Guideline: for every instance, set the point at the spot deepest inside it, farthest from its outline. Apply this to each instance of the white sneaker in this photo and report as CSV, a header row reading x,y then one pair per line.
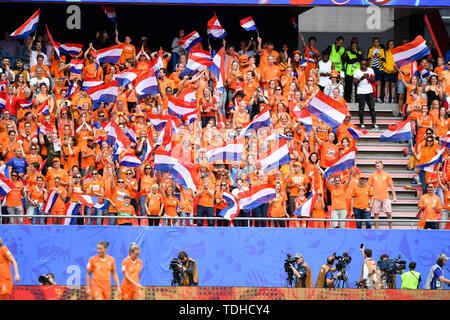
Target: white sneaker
x,y
363,126
376,127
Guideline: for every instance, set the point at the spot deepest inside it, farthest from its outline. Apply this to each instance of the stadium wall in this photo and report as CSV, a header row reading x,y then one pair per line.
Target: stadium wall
x,y
240,257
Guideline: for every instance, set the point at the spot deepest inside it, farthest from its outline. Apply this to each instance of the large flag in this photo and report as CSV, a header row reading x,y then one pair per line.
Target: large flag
x,y
147,84
110,13
157,63
399,132
276,157
164,161
24,103
410,52
327,109
248,23
356,133
89,83
183,173
232,210
165,137
73,49
24,31
180,108
72,210
307,208
218,69
232,152
260,121
214,29
5,185
2,100
190,40
304,117
76,66
73,87
56,45
130,160
103,93
116,136
344,162
198,60
126,77
159,120
433,164
53,196
257,196
109,55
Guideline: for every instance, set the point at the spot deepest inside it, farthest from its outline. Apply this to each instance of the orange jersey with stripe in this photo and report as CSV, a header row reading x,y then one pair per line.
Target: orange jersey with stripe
x,y
133,269
101,270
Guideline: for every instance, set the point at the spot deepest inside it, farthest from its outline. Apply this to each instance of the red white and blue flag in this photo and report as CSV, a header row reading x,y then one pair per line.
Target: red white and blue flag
x,y
53,196
126,77
55,44
198,60
307,208
344,162
5,185
2,100
399,132
115,135
183,173
110,13
410,52
103,93
44,108
231,152
260,121
357,133
304,117
146,150
108,55
159,121
214,28
73,49
218,69
90,201
190,117
433,164
72,89
233,208
24,103
163,160
76,66
180,108
90,83
165,137
72,210
147,84
131,134
190,40
327,109
248,23
257,196
130,160
24,31
277,156
157,63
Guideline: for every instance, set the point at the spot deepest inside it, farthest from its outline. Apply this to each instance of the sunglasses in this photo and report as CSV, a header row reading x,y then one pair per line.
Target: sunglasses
x,y
129,173
278,89
120,181
430,187
14,175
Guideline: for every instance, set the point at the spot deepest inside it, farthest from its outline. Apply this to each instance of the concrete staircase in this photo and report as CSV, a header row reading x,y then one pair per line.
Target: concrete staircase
x,y
393,157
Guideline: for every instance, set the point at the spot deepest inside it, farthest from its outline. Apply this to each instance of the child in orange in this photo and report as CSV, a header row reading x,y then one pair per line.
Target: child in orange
x,y
6,282
131,267
99,268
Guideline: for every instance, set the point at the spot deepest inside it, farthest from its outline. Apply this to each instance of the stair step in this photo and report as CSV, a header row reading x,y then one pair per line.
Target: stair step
x,y
396,161
380,148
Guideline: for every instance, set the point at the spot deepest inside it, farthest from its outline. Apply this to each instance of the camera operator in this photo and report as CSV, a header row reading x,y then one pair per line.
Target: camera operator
x,y
384,275
436,279
326,278
370,274
302,273
48,279
189,267
412,278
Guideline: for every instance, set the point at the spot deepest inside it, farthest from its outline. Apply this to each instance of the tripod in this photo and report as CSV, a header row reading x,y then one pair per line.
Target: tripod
x,y
290,283
342,281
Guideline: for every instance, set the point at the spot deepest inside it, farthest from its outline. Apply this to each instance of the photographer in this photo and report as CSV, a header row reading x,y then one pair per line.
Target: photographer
x,y
302,273
48,279
370,275
189,267
412,278
436,279
326,278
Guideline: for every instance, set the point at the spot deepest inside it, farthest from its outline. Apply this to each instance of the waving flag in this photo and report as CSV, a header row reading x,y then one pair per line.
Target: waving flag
x,y
356,133
165,137
126,77
190,40
214,29
184,174
307,208
399,132
256,196
159,121
276,157
72,89
115,136
304,117
90,201
103,93
130,160
73,49
327,109
5,185
129,132
108,55
278,136
53,196
344,162
260,121
89,83
72,210
190,117
2,100
147,84
24,103
410,52
231,152
76,66
146,150
248,23
198,60
110,13
164,161
56,45
44,108
180,108
24,31
233,208
157,63
218,69
433,164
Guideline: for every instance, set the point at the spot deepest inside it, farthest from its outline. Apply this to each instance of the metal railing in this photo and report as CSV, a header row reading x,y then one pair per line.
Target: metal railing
x,y
403,222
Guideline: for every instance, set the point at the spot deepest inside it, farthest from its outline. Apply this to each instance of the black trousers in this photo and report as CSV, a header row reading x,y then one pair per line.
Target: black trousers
x,y
348,88
362,100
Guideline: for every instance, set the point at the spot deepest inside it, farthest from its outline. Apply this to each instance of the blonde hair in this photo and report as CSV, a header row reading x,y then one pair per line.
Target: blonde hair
x,y
133,247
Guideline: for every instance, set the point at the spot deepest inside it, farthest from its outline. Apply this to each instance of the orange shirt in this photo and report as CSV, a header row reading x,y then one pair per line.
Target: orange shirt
x,y
76,190
328,152
426,153
205,199
52,173
125,211
298,179
338,197
94,186
37,194
154,203
91,71
90,159
263,57
14,197
132,269
101,271
128,53
170,206
380,183
441,126
6,279
427,202
277,209
146,184
361,196
186,199
59,207
270,73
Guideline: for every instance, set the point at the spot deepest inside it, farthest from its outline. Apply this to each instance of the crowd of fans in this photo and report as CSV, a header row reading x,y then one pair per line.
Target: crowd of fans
x,y
60,150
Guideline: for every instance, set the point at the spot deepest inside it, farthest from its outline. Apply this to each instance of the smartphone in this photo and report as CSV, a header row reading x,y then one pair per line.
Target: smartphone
x,y
361,246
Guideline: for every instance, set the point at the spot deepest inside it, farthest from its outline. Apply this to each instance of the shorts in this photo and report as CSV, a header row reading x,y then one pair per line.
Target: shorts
x,y
131,294
382,206
390,77
379,75
400,86
99,293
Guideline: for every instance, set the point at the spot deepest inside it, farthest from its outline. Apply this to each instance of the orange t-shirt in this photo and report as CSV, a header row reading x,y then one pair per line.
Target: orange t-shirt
x,y
276,206
328,153
13,198
128,53
186,199
154,203
170,206
101,271
299,180
59,207
125,211
133,269
426,201
338,197
380,183
6,279
361,196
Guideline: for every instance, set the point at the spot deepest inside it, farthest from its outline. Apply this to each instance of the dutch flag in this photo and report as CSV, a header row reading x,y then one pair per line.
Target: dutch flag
x,y
147,84
399,132
73,49
248,24
76,66
2,100
50,202
214,29
130,160
277,156
5,185
180,108
72,89
260,121
125,77
190,40
103,93
44,108
233,208
110,12
109,55
257,196
410,52
433,164
304,117
344,162
24,103
90,83
307,208
72,210
198,60
164,161
356,133
24,31
327,109
230,152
